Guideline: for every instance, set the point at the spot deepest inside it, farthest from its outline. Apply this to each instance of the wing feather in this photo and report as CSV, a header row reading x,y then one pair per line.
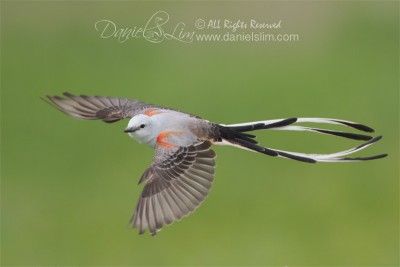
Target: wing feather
x,y
108,109
177,182
105,108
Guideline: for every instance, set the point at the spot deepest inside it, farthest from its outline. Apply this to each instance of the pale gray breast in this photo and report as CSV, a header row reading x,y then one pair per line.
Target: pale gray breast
x,y
177,128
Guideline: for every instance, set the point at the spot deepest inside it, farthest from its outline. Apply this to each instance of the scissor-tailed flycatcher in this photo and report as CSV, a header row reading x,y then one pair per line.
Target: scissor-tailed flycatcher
x,y
182,170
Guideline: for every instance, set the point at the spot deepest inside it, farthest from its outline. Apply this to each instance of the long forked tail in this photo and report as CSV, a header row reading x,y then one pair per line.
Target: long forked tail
x,y
234,134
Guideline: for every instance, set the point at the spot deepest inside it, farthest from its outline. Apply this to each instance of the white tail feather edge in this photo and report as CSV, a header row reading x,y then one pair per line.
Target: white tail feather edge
x,y
313,120
333,157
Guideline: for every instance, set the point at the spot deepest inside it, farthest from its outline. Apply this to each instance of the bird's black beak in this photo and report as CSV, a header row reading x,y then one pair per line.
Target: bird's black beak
x,y
129,130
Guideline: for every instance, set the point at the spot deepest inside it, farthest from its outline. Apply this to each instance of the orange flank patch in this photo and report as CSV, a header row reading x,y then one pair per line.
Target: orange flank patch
x,y
152,111
162,136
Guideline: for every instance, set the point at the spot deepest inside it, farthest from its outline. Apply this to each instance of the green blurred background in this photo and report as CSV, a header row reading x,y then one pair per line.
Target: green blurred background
x,y
68,187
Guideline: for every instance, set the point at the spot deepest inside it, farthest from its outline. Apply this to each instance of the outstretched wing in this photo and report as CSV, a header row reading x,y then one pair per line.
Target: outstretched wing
x,y
177,182
108,109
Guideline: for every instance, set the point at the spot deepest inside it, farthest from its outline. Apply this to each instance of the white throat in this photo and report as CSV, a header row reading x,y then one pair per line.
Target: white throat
x,y
143,129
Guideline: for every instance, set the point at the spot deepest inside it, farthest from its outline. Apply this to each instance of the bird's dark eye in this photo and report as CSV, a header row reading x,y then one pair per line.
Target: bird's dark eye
x,y
142,126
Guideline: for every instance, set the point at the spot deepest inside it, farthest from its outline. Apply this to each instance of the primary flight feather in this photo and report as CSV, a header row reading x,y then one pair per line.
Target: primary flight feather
x,y
182,171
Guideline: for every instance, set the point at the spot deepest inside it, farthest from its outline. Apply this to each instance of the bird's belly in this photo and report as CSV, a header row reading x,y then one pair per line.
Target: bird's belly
x,y
170,129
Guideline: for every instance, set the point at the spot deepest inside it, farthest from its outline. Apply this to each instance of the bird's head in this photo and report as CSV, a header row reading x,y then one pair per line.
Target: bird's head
x,y
141,128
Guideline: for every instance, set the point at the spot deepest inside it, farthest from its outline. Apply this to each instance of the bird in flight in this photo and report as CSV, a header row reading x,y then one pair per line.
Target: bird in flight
x,y
183,167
